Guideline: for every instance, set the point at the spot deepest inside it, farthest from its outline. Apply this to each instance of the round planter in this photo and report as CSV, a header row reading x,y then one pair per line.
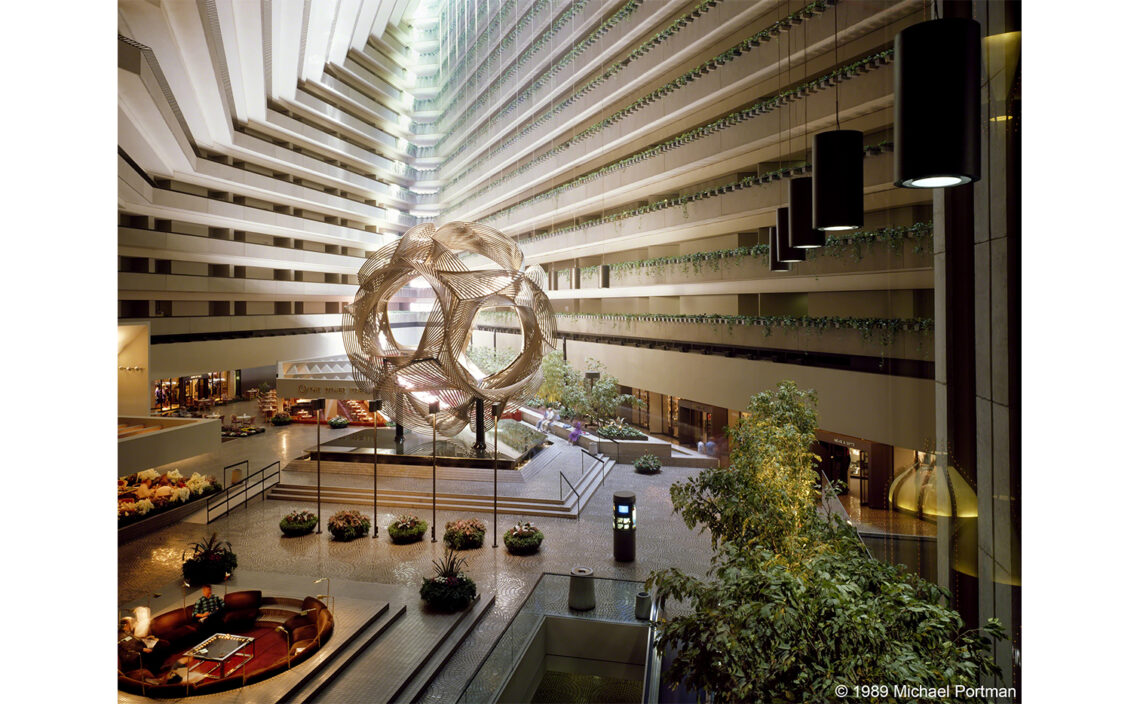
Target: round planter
x,y
293,530
406,536
347,535
199,573
460,541
448,598
522,546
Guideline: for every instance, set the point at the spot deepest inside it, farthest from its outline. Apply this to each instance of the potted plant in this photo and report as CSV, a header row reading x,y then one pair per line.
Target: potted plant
x,y
338,422
449,590
647,464
209,562
407,529
348,525
298,523
523,539
281,419
465,534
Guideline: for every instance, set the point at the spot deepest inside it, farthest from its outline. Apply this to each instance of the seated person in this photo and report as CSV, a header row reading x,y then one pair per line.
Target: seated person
x,y
701,446
208,610
134,654
576,432
544,424
710,448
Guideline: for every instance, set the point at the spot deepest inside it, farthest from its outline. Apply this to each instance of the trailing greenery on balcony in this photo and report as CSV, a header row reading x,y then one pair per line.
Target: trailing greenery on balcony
x,y
837,245
688,77
683,201
536,48
565,61
535,85
886,327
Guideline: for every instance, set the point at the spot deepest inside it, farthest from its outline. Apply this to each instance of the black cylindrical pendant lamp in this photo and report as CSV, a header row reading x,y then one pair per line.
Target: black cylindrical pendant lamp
x,y
801,234
837,180
774,263
785,252
938,68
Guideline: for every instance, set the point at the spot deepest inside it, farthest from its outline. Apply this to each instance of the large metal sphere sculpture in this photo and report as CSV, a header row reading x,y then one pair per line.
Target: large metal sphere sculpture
x,y
407,379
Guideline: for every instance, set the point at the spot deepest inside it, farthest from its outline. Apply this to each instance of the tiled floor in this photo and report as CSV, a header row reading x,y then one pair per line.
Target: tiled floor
x,y
146,565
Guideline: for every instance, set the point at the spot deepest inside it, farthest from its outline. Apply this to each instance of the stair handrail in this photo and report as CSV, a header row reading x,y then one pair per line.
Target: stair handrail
x,y
591,454
577,496
242,486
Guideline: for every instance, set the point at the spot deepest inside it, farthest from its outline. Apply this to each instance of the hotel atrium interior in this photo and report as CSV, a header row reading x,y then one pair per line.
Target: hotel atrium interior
x,y
696,327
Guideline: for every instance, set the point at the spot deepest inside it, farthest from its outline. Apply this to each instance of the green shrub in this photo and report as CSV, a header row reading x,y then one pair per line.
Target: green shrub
x,y
647,464
795,607
281,419
523,539
348,525
407,529
338,422
465,534
298,523
620,431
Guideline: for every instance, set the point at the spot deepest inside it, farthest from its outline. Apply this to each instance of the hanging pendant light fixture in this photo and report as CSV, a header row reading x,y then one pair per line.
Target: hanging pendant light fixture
x,y
801,234
938,103
785,252
774,263
837,169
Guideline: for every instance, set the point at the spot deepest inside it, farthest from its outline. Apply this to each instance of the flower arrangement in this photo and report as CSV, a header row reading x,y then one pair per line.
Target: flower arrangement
x,y
210,561
407,529
348,525
647,464
281,419
338,422
449,590
298,523
134,507
523,539
465,534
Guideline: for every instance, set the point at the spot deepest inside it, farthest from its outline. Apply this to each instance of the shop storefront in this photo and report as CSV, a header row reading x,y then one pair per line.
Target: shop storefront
x,y
194,393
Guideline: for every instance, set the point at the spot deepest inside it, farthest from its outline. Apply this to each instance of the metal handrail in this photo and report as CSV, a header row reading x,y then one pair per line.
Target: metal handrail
x,y
577,496
596,459
243,486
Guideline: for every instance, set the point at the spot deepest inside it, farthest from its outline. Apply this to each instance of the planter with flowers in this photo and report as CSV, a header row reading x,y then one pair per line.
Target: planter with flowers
x,y
647,464
449,590
348,525
465,534
407,529
337,422
281,419
209,562
298,523
523,539
148,493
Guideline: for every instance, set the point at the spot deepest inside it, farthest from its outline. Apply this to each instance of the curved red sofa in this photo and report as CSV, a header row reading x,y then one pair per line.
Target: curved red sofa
x,y
301,635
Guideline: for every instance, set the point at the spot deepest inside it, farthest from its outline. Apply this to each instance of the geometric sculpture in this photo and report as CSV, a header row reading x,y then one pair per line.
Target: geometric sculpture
x,y
438,369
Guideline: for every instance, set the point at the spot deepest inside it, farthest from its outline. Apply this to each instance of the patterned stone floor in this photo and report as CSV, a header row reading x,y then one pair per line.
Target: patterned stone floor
x,y
147,564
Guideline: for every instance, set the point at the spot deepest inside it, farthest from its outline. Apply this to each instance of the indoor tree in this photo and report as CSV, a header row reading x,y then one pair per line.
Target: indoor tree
x,y
795,606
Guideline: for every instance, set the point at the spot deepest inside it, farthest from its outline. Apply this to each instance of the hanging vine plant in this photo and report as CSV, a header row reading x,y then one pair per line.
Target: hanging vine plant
x,y
867,327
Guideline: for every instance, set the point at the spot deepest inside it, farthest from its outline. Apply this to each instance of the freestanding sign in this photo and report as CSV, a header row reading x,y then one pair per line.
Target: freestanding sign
x,y
625,526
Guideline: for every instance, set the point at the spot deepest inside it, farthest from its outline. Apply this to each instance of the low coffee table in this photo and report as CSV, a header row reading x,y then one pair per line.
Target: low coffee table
x,y
220,649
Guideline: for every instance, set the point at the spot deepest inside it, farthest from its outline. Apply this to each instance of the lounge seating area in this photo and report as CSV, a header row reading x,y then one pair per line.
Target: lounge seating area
x,y
286,631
